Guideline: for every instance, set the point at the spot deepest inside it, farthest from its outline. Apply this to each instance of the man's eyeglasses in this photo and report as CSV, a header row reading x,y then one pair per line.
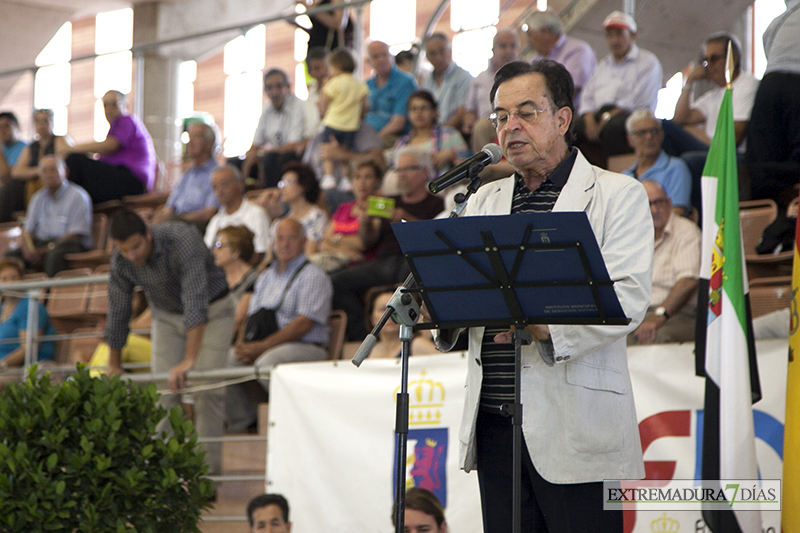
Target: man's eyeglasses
x,y
645,132
499,119
220,244
286,183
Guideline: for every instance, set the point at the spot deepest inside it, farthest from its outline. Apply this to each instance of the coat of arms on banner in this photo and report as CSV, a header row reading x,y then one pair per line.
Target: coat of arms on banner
x,y
427,443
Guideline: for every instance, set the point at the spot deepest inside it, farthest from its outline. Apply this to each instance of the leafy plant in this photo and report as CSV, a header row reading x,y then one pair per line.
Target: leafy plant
x,y
84,456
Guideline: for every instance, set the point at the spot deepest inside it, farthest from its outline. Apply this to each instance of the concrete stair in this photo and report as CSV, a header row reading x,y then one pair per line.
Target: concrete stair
x,y
239,458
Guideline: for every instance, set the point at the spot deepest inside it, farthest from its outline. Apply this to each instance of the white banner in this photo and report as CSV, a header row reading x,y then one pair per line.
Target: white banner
x,y
332,441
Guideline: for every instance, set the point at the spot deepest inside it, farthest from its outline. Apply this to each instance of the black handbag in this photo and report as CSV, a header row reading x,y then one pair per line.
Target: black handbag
x,y
264,322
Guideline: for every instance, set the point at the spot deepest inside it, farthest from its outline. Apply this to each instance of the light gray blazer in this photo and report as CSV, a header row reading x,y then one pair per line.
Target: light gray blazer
x,y
579,419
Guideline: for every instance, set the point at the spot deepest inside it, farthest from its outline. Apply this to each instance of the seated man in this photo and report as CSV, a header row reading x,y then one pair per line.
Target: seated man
x,y
676,265
269,512
58,220
389,90
127,162
699,116
448,82
192,199
300,295
547,38
235,209
280,134
505,47
652,163
414,168
626,79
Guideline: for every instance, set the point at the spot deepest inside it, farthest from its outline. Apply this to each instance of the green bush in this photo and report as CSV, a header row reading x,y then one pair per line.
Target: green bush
x,y
85,456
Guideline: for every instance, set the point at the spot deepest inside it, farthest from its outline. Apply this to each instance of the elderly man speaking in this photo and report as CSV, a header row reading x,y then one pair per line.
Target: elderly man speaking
x,y
579,424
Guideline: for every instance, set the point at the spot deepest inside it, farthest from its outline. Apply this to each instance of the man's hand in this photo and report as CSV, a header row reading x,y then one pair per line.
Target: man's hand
x,y
114,369
698,72
540,332
646,332
247,352
177,375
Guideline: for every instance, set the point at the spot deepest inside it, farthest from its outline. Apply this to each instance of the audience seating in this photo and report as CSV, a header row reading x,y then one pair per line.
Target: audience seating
x,y
770,294
755,216
67,305
80,350
101,252
97,305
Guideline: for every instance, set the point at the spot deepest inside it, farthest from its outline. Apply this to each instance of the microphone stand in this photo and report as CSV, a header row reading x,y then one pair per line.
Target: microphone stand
x,y
404,309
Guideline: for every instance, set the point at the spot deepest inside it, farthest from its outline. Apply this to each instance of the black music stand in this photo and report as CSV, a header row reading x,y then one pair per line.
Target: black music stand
x,y
535,268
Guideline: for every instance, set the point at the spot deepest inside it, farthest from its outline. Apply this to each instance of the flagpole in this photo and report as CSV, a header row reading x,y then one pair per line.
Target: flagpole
x,y
729,67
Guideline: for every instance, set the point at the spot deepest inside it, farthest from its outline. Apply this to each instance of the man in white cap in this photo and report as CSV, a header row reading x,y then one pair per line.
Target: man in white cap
x,y
626,79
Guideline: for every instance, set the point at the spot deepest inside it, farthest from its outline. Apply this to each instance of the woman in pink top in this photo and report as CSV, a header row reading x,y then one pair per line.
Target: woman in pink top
x,y
342,245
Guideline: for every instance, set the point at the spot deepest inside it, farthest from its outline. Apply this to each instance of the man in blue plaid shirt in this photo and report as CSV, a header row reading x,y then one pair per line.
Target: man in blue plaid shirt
x,y
192,312
301,295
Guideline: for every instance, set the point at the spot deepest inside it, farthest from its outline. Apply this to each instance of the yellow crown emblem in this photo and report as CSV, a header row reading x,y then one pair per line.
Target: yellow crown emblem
x,y
663,524
425,399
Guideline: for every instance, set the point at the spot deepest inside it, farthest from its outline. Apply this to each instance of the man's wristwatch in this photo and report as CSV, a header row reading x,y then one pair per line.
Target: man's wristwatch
x,y
661,311
605,117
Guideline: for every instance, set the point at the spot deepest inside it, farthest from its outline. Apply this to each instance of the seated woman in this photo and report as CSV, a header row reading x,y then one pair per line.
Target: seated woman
x,y
341,245
445,144
137,350
16,192
233,252
14,319
299,190
389,344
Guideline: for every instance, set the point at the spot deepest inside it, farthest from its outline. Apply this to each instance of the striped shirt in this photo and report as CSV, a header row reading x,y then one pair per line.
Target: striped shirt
x,y
180,277
497,359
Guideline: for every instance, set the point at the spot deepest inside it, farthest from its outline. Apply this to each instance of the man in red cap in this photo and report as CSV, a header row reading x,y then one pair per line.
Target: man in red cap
x,y
626,79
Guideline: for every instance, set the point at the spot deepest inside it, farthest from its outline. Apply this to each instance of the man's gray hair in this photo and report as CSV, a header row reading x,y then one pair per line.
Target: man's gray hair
x,y
724,38
238,177
438,37
505,31
638,115
420,155
545,20
209,132
62,167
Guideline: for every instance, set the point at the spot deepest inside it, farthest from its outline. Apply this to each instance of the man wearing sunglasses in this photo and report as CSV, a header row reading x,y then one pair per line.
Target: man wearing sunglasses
x,y
703,111
698,116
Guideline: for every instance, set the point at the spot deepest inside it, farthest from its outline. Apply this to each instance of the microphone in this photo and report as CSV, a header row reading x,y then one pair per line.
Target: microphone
x,y
489,155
